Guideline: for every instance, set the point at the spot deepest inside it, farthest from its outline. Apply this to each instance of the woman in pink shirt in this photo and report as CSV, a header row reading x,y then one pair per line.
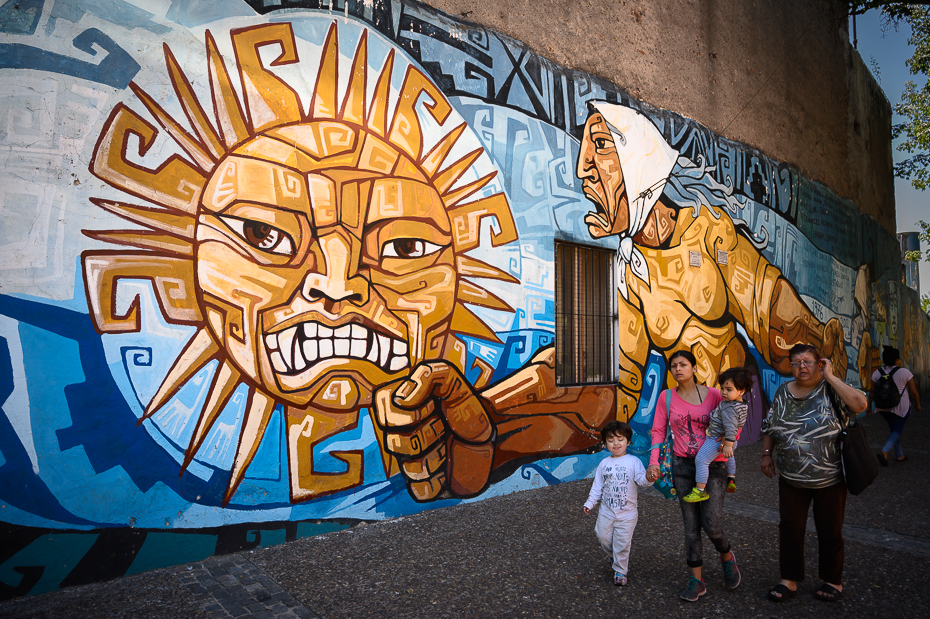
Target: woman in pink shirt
x,y
689,409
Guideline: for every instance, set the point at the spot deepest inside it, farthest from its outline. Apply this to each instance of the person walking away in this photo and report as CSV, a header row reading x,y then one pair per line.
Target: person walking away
x,y
895,396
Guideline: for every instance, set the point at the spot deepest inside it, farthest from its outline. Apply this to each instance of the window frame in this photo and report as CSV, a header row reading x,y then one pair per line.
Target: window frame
x,y
607,370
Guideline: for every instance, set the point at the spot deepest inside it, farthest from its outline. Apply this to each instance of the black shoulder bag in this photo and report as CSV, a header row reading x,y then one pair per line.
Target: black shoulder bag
x,y
860,468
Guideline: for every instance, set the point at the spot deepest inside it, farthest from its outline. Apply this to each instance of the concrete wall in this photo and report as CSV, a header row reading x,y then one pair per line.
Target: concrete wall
x,y
778,76
266,274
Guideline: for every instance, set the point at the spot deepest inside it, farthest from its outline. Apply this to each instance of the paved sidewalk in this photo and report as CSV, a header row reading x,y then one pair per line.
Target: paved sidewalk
x,y
534,554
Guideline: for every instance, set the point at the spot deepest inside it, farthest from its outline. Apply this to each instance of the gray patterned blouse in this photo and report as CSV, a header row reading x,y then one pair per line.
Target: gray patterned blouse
x,y
806,432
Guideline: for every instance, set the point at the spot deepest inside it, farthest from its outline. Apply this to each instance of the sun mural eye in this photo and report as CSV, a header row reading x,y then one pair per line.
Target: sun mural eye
x,y
409,248
262,236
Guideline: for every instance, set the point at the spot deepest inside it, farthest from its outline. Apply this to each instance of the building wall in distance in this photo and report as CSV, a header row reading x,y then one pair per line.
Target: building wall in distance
x,y
778,76
269,273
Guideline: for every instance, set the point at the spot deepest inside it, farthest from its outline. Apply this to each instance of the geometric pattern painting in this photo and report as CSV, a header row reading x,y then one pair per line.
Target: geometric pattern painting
x,y
267,273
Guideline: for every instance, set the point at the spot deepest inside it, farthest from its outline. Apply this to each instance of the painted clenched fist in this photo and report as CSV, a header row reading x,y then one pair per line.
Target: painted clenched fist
x,y
439,430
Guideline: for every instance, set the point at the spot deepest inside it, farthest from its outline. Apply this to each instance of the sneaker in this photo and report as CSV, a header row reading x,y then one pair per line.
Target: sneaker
x,y
694,590
731,484
731,575
620,579
695,496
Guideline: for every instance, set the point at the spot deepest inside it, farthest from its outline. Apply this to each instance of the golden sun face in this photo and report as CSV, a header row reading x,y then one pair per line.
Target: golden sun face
x,y
338,271
320,255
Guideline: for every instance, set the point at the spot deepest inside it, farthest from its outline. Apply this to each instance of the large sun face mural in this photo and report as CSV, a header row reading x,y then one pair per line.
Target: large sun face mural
x,y
321,253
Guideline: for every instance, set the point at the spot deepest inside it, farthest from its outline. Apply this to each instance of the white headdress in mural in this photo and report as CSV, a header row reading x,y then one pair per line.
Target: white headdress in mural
x,y
646,161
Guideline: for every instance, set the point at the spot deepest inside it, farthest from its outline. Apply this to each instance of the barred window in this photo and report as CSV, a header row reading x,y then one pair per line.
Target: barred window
x,y
585,316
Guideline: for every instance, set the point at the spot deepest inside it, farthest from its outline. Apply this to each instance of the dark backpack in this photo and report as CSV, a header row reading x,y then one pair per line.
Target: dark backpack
x,y
886,395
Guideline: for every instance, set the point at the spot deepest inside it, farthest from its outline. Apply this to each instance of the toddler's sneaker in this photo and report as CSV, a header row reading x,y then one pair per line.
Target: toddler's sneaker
x,y
731,484
731,576
695,496
620,579
694,590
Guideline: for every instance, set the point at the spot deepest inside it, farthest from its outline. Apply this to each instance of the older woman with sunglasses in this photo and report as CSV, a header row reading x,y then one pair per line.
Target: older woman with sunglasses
x,y
800,440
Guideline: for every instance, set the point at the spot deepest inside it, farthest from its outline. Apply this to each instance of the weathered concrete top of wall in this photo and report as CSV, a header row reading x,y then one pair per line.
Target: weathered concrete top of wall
x,y
779,76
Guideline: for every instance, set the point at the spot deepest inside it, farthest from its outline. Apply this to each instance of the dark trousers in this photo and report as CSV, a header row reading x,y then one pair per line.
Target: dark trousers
x,y
829,511
706,515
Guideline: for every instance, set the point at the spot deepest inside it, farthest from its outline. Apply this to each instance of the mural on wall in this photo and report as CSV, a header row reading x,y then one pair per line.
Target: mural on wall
x,y
269,273
325,261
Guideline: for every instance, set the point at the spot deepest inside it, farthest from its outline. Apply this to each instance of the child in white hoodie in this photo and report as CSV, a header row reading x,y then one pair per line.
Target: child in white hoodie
x,y
614,486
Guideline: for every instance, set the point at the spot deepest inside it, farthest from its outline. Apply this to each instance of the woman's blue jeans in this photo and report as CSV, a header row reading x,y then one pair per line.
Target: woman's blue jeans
x,y
706,515
896,427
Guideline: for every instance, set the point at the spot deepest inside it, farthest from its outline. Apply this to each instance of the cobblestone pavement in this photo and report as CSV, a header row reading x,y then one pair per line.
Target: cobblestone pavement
x,y
233,586
535,554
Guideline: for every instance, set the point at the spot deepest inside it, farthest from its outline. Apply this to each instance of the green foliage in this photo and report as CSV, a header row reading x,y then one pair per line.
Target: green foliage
x,y
894,10
914,256
925,303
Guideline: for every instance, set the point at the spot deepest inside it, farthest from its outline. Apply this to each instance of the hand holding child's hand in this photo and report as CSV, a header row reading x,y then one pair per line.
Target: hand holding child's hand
x,y
586,510
652,473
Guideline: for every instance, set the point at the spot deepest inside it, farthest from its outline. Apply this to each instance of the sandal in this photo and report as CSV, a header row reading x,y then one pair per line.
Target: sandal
x,y
783,593
901,459
882,458
828,593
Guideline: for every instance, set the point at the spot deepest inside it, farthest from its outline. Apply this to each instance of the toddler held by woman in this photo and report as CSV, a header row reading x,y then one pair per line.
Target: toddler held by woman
x,y
725,424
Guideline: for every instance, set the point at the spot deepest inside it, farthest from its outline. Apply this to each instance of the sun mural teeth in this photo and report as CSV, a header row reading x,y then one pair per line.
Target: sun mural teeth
x,y
297,348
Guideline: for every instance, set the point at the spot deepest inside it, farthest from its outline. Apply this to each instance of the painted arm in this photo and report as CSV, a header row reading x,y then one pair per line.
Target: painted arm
x,y
449,438
768,307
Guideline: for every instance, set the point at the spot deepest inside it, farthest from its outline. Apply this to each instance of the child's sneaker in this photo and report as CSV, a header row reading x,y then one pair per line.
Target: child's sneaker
x,y
731,484
620,579
731,576
695,496
694,590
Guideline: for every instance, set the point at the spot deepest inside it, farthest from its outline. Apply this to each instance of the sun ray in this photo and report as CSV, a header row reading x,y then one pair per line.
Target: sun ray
x,y
144,239
185,140
353,106
476,295
225,381
448,177
198,352
377,117
229,115
466,323
169,221
176,183
435,157
269,101
324,94
471,267
192,108
466,220
454,197
258,413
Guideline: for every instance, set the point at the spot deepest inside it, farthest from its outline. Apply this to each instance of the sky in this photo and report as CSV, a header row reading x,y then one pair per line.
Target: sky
x,y
885,53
